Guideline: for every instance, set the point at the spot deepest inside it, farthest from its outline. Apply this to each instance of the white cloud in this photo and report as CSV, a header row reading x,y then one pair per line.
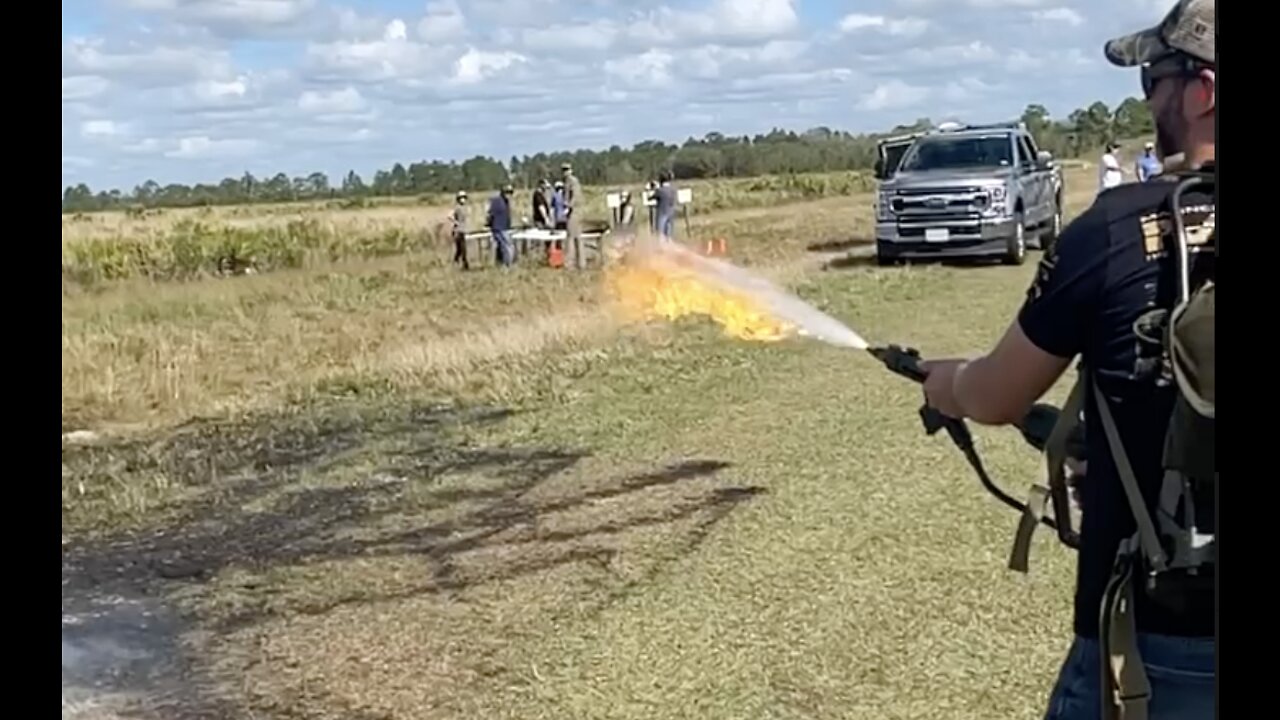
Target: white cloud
x,y
395,30
142,66
899,27
99,128
755,17
444,21
391,57
218,90
239,17
982,4
476,65
146,146
197,88
83,87
652,69
265,12
346,100
202,146
1059,16
967,89
951,55
1000,4
893,95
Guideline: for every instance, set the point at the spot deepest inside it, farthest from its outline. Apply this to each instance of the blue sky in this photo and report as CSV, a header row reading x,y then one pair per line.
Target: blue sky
x,y
197,90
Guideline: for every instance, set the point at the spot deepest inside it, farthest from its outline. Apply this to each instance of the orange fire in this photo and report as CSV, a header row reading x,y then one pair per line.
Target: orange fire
x,y
657,285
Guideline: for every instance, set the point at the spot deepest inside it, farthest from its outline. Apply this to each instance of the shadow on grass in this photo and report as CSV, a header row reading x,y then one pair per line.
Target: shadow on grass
x,y
293,494
838,244
851,261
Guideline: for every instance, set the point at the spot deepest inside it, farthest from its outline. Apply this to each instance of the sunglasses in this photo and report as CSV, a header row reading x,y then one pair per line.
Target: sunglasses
x,y
1175,65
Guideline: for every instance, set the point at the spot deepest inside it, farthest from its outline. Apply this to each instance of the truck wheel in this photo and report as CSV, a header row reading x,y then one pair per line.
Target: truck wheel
x,y
1016,253
883,258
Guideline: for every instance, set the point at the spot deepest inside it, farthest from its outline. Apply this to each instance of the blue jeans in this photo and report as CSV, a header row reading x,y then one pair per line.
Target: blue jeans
x,y
506,252
1180,671
667,226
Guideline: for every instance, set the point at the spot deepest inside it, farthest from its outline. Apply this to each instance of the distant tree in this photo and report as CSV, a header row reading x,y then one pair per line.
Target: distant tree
x,y
712,155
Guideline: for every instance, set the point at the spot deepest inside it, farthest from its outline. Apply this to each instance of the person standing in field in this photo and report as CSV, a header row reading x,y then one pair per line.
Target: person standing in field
x,y
1109,172
559,211
542,206
573,209
667,199
1095,297
626,210
1148,165
459,219
498,221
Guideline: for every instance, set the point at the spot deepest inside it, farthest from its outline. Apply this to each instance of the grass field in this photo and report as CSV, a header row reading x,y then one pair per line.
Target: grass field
x,y
369,485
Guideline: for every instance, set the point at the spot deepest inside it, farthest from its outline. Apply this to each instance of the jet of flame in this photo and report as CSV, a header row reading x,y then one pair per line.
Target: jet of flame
x,y
666,280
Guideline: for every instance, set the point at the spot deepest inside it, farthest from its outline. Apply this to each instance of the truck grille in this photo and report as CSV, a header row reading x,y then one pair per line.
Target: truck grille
x,y
958,210
940,203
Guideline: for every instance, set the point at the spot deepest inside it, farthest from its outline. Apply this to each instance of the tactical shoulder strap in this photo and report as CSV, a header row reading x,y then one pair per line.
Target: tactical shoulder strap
x,y
1145,537
1055,451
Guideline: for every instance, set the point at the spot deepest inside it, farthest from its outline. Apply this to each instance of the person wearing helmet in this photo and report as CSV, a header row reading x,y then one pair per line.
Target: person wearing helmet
x,y
498,220
459,220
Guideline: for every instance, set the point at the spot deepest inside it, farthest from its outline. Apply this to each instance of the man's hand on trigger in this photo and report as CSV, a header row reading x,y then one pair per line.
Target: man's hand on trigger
x,y
939,386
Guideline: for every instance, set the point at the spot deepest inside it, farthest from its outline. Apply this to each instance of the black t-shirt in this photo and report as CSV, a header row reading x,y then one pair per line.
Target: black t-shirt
x,y
1111,266
541,209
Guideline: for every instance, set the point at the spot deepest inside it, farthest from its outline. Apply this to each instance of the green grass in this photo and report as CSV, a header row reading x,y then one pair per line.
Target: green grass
x,y
395,491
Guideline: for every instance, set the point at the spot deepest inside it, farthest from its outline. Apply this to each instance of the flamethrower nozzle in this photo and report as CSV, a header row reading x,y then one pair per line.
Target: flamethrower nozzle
x,y
900,360
1036,426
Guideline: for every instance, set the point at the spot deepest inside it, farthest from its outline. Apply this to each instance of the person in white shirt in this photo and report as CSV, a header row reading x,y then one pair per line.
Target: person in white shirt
x,y
1109,173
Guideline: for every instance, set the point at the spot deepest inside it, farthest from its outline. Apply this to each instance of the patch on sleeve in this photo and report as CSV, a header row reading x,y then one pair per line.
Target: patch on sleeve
x,y
1198,221
1152,235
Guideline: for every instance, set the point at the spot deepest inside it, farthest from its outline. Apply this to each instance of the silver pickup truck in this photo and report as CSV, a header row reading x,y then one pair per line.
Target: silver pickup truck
x,y
966,191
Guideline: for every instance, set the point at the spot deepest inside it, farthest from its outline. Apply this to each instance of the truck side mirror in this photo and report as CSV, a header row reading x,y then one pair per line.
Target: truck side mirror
x,y
1044,159
878,168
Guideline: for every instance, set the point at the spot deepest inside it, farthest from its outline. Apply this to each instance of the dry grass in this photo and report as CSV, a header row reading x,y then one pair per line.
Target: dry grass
x,y
183,244
418,493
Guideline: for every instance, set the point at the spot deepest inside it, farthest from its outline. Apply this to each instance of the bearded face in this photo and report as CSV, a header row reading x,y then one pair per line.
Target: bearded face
x,y
1171,123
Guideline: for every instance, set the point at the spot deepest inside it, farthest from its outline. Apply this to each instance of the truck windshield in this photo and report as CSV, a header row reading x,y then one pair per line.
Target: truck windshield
x,y
937,153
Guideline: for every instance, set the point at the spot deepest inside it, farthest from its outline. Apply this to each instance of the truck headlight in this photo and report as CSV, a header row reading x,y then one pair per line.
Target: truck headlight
x,y
997,194
883,203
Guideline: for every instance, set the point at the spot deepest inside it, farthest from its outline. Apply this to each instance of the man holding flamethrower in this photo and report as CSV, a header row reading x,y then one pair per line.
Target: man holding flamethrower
x,y
1129,288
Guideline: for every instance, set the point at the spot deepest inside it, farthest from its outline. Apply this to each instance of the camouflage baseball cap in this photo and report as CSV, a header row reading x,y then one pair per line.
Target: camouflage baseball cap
x,y
1188,28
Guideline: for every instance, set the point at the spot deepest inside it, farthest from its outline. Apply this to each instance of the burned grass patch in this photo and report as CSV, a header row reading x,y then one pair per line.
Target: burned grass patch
x,y
281,527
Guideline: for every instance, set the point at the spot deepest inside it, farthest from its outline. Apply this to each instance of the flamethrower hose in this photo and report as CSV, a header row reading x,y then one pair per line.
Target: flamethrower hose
x,y
906,362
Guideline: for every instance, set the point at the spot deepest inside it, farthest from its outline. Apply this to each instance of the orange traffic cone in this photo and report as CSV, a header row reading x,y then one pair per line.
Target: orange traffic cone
x,y
555,257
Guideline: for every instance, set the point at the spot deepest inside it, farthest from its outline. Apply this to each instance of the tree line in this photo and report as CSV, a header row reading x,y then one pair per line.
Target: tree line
x,y
715,155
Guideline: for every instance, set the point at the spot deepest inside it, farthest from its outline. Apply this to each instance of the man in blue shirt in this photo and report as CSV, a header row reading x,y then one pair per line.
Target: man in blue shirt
x,y
1111,267
498,221
1148,165
559,210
